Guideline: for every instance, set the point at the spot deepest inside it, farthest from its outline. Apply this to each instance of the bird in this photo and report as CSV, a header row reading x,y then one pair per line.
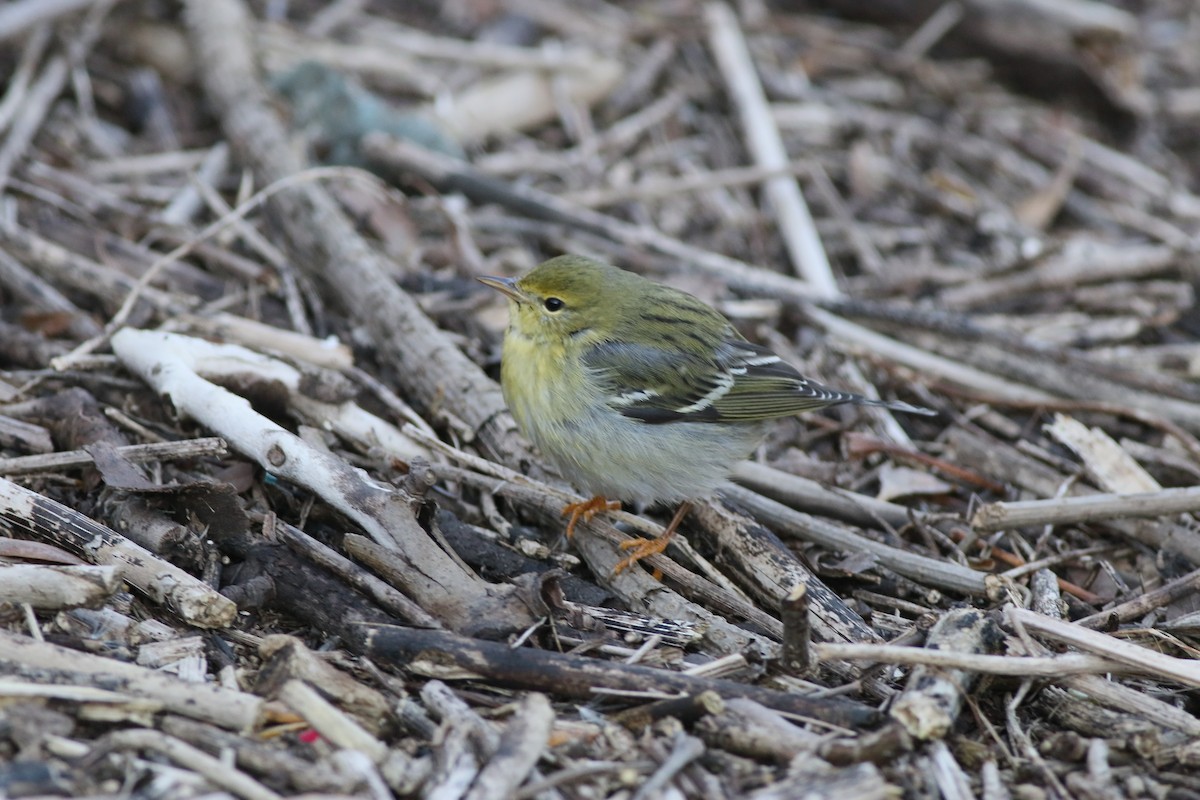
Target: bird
x,y
640,392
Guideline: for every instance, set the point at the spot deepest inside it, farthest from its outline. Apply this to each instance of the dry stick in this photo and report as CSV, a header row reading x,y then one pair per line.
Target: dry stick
x,y
331,722
68,268
1138,658
1004,462
213,770
1027,666
1095,688
187,203
169,363
956,372
933,572
39,517
136,453
37,104
389,598
1076,378
233,218
770,570
580,677
233,710
685,750
52,587
1113,469
326,244
766,146
34,292
1060,511
1144,603
797,635
932,696
815,498
517,752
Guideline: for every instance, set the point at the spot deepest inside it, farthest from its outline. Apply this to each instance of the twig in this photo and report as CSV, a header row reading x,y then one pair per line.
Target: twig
x,y
1027,666
1132,656
212,769
1060,511
136,453
837,537
1143,604
766,146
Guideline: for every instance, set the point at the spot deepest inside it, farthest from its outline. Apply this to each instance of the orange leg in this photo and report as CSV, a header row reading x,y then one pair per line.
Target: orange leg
x,y
641,548
586,510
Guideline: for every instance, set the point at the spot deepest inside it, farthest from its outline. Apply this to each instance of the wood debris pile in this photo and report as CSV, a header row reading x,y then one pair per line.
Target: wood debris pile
x,y
267,529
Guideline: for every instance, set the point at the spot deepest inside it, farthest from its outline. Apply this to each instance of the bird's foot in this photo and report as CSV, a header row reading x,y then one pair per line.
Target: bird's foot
x,y
640,548
644,548
586,510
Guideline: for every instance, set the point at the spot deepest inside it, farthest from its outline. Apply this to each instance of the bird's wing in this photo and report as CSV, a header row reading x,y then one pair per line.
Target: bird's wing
x,y
739,382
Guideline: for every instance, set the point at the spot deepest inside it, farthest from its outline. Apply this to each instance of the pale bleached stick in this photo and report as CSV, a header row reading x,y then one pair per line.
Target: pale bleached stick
x,y
1020,666
228,361
331,722
52,587
257,335
1064,510
213,769
930,364
1135,657
796,224
172,365
32,112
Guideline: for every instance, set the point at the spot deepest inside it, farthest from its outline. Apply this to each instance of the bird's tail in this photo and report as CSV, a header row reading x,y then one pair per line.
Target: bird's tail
x,y
894,405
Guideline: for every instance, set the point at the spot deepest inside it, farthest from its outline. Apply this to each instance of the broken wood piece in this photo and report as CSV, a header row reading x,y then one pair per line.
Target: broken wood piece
x,y
520,745
329,721
797,636
1144,603
285,658
208,702
169,363
770,570
162,582
933,696
51,587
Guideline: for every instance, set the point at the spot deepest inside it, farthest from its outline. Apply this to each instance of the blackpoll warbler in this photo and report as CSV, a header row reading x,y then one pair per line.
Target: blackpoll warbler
x,y
638,391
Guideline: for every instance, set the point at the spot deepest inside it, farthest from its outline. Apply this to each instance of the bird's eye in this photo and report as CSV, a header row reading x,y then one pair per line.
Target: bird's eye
x,y
553,304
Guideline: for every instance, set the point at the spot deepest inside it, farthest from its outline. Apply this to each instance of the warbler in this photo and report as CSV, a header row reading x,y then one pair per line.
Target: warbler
x,y
638,391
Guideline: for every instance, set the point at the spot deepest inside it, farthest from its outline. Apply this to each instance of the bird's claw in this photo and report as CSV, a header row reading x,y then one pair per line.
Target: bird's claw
x,y
586,510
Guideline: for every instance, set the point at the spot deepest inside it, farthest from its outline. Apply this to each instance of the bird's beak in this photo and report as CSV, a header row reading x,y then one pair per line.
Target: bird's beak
x,y
506,285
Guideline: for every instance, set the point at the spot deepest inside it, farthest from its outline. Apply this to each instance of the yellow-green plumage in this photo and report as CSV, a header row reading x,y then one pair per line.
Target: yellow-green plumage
x,y
636,390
